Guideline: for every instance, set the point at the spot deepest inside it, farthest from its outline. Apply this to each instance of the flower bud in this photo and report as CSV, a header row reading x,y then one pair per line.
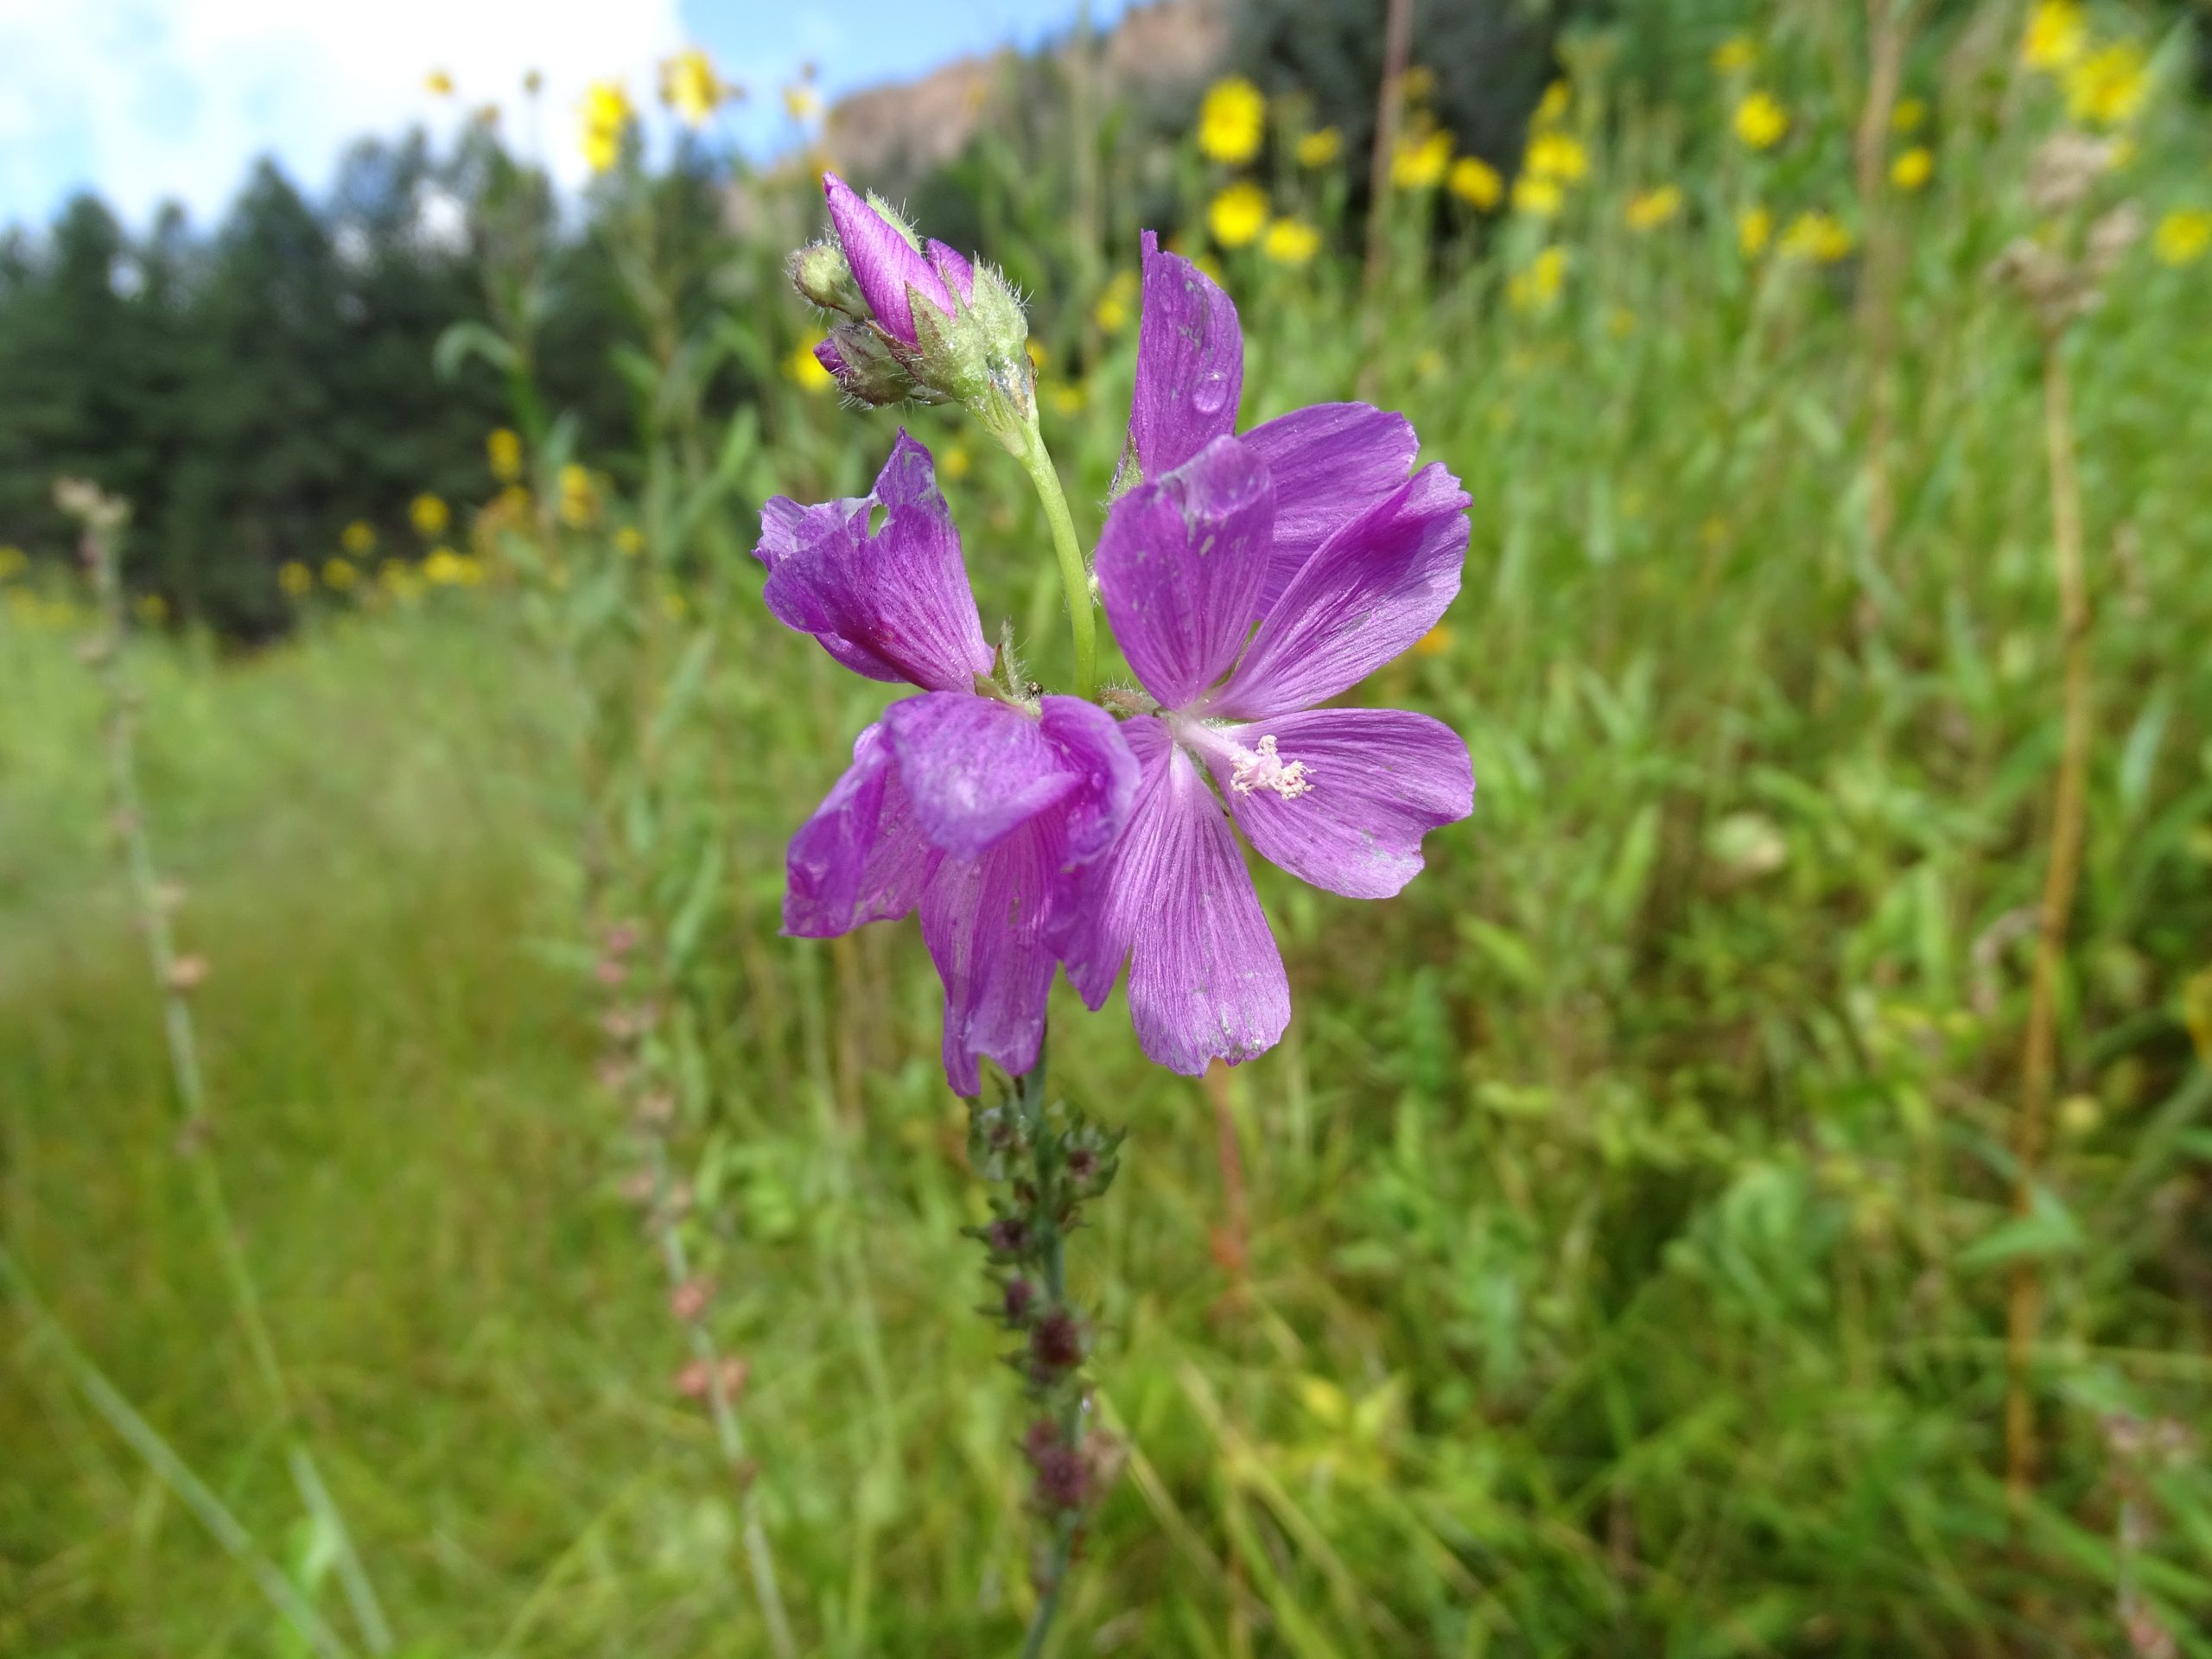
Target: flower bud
x,y
925,322
821,273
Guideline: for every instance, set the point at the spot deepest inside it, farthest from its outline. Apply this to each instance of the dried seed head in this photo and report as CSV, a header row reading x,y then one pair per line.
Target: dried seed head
x,y
2065,169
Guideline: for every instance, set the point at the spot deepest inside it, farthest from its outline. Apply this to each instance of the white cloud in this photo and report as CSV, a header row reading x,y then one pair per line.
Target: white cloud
x,y
147,100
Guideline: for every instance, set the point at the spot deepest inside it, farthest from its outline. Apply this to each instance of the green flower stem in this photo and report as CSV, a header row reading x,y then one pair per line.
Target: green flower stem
x,y
1075,574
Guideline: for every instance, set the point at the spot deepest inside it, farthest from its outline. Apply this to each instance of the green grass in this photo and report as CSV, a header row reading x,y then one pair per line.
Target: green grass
x,y
1624,1257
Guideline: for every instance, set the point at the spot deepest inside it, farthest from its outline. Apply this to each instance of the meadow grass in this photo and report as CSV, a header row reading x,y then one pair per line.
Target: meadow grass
x,y
1612,1258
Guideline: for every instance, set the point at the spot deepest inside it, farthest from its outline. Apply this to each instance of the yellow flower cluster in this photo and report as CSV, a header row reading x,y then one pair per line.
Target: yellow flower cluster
x,y
608,115
429,513
1554,160
689,85
358,538
1239,215
1735,55
1476,182
579,504
1913,170
339,574
2182,236
438,84
1290,242
1538,285
1421,159
1118,304
446,568
1760,122
2057,35
295,578
1819,236
2108,88
1754,230
503,450
1232,121
1318,149
804,370
1648,209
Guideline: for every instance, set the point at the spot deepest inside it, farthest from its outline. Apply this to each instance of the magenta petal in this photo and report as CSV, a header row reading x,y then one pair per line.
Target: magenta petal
x,y
1375,586
983,919
1090,745
833,361
885,263
859,858
1189,363
1372,783
955,272
1179,564
893,604
1174,899
1331,462
975,769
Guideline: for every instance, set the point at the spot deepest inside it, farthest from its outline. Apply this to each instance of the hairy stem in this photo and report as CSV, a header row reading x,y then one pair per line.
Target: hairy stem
x,y
723,1408
2039,1054
1075,574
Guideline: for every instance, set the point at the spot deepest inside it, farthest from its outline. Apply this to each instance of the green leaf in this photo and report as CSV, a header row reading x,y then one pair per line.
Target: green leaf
x,y
2048,1229
465,340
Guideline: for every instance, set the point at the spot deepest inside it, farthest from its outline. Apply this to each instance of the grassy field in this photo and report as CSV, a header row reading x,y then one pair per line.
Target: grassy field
x,y
1614,1258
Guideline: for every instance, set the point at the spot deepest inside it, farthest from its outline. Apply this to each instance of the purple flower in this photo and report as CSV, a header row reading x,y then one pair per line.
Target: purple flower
x,y
970,808
1310,524
889,263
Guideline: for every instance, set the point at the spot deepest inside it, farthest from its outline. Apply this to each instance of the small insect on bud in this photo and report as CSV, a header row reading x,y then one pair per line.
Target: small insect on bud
x,y
188,974
688,1300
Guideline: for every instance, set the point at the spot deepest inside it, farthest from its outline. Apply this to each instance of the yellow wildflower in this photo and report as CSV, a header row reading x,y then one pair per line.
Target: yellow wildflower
x,y
447,568
1067,397
1914,169
689,85
956,462
1418,84
1118,304
1232,120
1538,198
2058,32
629,540
1320,148
1558,156
607,118
1434,643
511,504
151,609
1038,354
339,575
438,84
1816,236
1754,230
1552,105
1539,285
1239,215
358,538
2109,87
804,370
503,449
1648,209
430,513
13,563
1290,242
295,578
2182,236
579,500
802,102
1420,162
1908,117
1735,55
1761,120
1476,182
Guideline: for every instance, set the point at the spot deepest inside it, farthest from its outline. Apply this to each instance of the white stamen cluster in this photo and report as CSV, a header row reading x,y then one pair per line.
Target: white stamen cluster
x,y
1263,769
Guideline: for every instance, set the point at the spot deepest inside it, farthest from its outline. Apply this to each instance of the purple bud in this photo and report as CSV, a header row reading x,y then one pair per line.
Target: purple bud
x,y
954,271
885,263
1020,1293
1062,1478
826,354
1005,1234
1056,1341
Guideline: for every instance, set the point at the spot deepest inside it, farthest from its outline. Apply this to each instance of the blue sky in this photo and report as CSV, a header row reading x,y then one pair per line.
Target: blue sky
x,y
146,100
